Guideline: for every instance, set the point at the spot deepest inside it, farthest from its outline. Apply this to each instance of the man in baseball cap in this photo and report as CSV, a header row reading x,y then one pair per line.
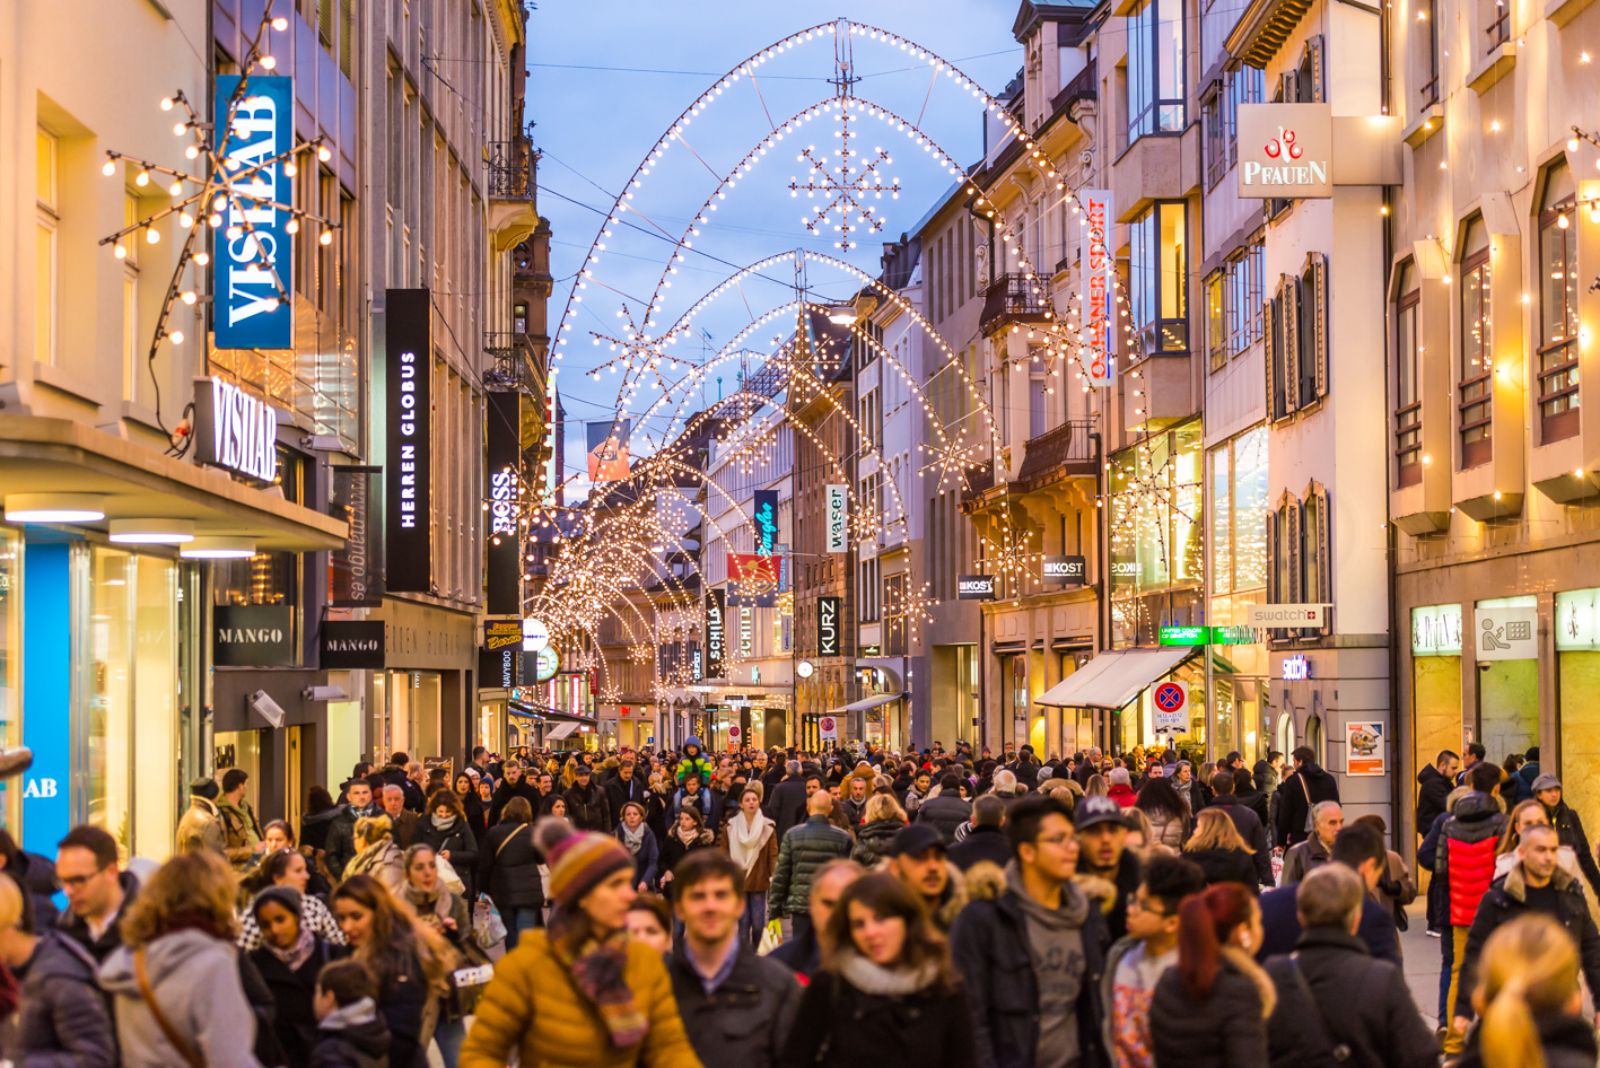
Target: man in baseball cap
x,y
918,858
1102,838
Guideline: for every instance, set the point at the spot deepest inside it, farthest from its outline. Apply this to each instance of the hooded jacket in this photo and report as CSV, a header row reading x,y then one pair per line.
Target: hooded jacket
x,y
589,808
695,761
195,979
1506,900
353,1036
63,1021
1432,790
1465,857
1226,1029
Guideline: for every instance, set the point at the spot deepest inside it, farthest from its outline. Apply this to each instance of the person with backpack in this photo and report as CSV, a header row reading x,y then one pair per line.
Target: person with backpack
x,y
1299,793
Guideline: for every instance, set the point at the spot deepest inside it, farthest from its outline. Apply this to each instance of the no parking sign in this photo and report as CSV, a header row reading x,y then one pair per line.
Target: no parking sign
x,y
1172,707
828,727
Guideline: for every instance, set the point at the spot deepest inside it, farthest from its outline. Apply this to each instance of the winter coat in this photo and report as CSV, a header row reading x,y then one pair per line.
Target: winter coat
x,y
872,841
1254,800
461,844
1465,857
1303,858
342,839
1226,1029
674,848
201,828
534,1007
36,876
409,1011
646,862
1507,899
406,827
505,792
509,871
63,1021
195,979
845,1025
314,828
1567,1041
292,993
77,928
1569,829
1167,829
1280,926
1364,1004
1226,866
708,801
1433,789
1253,832
803,850
945,812
758,880
354,1043
982,844
695,761
385,862
990,946
786,804
1296,795
1123,795
620,791
746,1019
589,810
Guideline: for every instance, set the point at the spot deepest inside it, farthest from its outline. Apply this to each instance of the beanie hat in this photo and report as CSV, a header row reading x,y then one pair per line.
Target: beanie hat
x,y
287,896
579,860
206,788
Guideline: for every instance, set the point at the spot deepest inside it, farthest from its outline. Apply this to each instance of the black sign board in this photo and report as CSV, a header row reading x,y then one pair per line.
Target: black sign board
x,y
408,341
1065,570
352,644
252,636
975,588
502,634
355,572
497,668
828,626
502,550
716,632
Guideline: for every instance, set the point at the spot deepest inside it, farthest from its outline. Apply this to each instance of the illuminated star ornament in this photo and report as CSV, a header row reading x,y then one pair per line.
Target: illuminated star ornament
x,y
849,179
951,459
911,607
234,195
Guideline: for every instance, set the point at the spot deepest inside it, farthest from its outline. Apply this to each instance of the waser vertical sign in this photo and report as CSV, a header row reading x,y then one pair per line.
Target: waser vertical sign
x,y
250,311
408,337
1095,272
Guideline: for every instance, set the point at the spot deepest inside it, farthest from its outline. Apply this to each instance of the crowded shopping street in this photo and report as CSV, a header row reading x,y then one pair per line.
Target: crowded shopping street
x,y
976,533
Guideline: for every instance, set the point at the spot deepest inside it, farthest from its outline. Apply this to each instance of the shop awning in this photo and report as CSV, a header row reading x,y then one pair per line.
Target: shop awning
x,y
527,711
875,701
46,455
1111,680
559,731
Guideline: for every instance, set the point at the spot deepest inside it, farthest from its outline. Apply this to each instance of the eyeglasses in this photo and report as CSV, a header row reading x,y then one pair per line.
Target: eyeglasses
x,y
1135,903
76,881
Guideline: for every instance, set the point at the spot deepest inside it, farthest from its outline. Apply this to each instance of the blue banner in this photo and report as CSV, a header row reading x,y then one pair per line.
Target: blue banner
x,y
249,310
47,668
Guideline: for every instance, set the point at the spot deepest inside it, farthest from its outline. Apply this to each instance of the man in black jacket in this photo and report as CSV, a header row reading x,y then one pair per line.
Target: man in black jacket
x,y
628,785
1302,789
987,839
97,893
737,1007
587,805
1547,791
1434,784
786,801
1103,853
1331,991
1535,883
1031,958
342,833
1245,820
946,811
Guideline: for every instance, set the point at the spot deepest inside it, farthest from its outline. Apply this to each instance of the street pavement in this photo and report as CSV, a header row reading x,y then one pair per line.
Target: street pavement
x,y
1421,955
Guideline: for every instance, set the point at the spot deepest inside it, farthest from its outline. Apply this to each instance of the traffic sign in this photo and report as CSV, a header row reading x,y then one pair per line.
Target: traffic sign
x,y
733,731
1172,707
828,727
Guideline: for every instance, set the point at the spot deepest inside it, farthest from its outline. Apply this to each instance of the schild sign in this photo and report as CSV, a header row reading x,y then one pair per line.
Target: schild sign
x,y
1285,151
352,644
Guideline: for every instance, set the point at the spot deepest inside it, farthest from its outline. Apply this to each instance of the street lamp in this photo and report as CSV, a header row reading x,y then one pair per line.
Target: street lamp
x,y
842,315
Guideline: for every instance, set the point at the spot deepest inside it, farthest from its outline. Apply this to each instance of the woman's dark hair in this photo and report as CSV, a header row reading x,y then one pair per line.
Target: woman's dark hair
x,y
282,825
1157,796
655,905
886,896
318,800
517,810
273,866
9,849
1205,922
455,782
446,799
348,981
692,810
399,941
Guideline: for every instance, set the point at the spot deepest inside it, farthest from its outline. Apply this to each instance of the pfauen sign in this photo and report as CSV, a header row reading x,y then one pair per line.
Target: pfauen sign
x,y
1285,151
235,431
253,248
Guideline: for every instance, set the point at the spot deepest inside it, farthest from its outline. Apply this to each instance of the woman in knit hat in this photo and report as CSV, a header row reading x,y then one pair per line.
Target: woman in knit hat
x,y
577,991
290,955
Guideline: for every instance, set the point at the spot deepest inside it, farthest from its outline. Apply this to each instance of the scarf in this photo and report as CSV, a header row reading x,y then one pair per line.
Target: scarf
x,y
358,1012
298,953
871,978
634,840
598,970
746,839
431,907
692,839
442,824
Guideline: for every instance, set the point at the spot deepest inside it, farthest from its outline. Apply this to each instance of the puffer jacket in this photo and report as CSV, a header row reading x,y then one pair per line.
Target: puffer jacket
x,y
1567,1042
1167,829
946,812
872,841
1465,858
590,810
803,850
195,979
509,871
1227,1029
534,1007
63,1021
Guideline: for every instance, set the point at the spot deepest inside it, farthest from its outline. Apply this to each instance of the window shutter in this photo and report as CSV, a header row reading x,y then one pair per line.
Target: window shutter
x,y
1319,271
1290,308
1296,540
1325,557
1314,48
1289,87
1274,550
1268,313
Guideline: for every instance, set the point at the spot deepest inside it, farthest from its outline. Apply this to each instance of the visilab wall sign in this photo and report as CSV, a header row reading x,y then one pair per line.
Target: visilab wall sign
x,y
235,431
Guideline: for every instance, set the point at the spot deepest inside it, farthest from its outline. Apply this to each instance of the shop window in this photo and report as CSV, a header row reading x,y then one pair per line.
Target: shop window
x,y
1239,506
1156,74
1558,307
1477,349
1407,369
1423,49
1216,321
1297,358
1156,526
1243,298
867,593
1159,273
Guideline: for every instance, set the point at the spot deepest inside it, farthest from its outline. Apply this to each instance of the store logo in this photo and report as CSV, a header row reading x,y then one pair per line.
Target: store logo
x,y
252,635
408,444
838,517
1284,148
41,788
238,635
408,342
254,250
1295,150
975,588
1095,254
828,626
234,430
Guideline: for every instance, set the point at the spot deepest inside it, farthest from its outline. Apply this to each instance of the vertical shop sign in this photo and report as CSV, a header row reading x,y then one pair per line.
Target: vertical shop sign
x,y
408,523
764,520
254,279
716,632
1095,272
502,463
838,498
355,569
828,626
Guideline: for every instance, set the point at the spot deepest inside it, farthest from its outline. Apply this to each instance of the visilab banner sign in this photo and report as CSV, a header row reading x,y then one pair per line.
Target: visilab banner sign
x,y
253,249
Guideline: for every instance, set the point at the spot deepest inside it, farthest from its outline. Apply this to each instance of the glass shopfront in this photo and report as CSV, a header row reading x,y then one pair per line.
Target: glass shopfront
x,y
1237,481
409,707
1577,627
1157,556
1508,689
1436,681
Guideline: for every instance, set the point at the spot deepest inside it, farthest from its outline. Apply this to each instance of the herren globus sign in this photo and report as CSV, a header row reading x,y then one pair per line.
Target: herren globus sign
x,y
1285,151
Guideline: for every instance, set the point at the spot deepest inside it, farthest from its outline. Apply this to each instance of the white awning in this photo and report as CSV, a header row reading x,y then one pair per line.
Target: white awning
x,y
559,731
1111,680
875,701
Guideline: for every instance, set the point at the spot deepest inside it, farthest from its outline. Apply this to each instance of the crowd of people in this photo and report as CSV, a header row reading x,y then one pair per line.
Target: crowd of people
x,y
784,908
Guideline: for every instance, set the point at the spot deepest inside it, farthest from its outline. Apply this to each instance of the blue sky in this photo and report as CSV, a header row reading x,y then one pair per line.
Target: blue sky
x,y
607,79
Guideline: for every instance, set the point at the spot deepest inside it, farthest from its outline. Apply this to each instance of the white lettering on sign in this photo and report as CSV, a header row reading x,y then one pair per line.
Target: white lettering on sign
x,y
502,515
1285,150
252,288
40,788
408,448
243,435
248,635
1296,668
352,645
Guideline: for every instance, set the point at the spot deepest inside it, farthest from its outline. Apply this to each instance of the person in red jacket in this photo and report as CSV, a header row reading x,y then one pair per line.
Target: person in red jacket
x,y
1465,862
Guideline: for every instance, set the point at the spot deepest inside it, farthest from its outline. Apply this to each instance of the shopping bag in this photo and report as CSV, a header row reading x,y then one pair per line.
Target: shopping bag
x,y
488,929
448,876
771,938
466,987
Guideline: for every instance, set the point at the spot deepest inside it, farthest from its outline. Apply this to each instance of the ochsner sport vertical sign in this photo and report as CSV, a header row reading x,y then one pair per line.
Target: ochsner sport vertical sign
x,y
408,339
1096,268
250,309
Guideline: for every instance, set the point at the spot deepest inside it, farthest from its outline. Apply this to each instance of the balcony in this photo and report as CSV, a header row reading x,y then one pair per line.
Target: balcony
x,y
1012,298
1081,87
516,364
512,180
1066,451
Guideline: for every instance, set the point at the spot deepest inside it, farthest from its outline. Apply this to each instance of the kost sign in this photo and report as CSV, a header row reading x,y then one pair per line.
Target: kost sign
x,y
975,588
251,265
1285,151
235,431
408,337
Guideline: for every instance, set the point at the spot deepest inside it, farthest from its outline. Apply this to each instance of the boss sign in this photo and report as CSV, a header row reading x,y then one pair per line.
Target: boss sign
x,y
250,310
